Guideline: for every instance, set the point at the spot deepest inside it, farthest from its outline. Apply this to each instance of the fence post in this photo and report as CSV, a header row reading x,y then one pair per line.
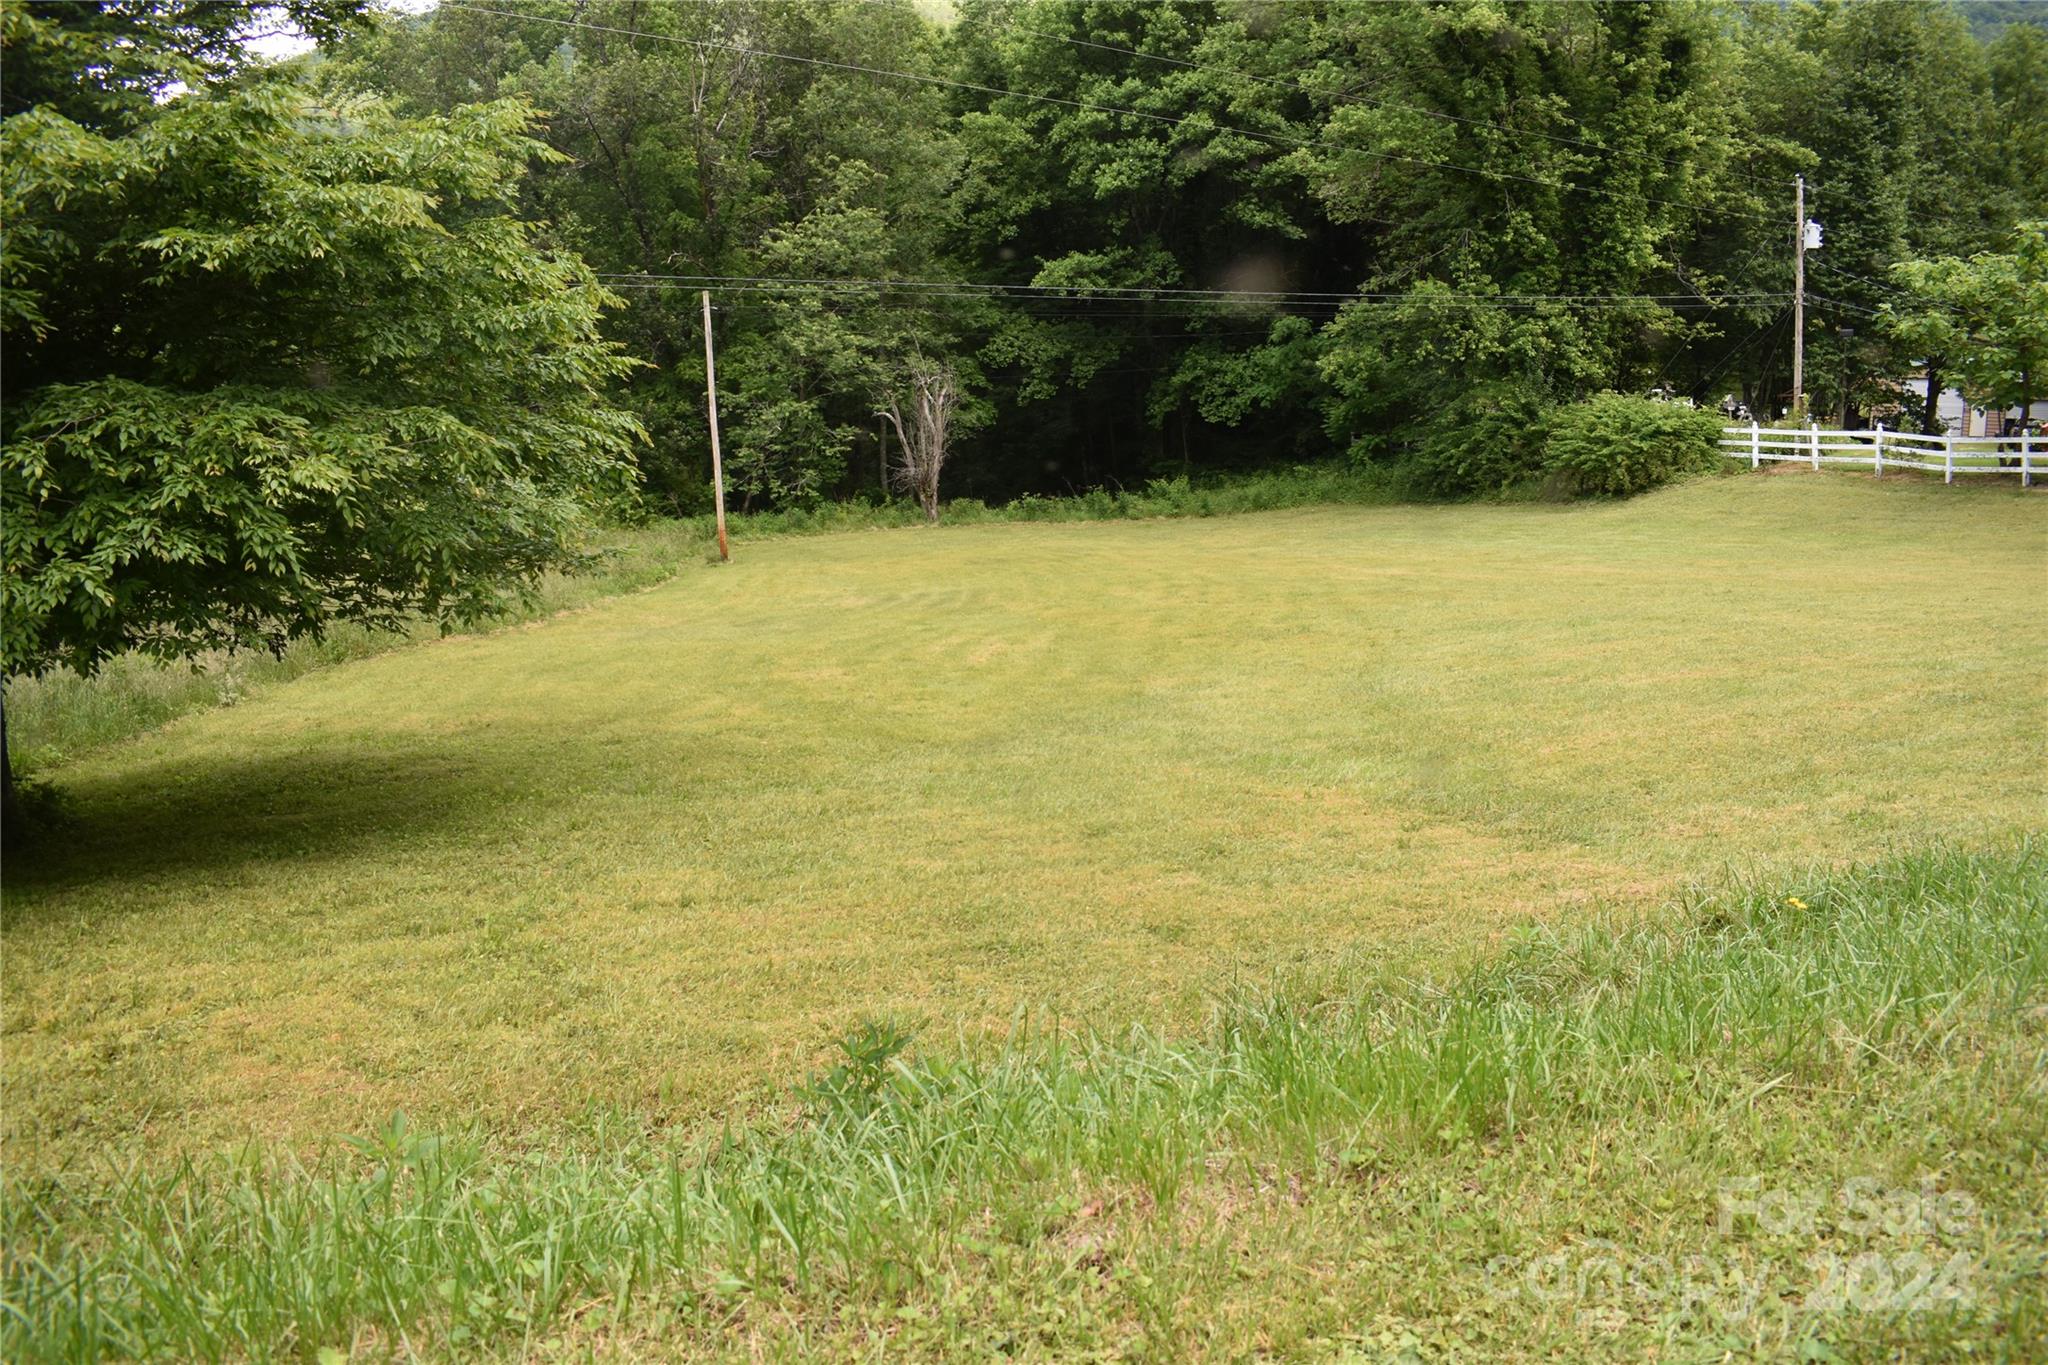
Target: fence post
x,y
1948,462
2026,461
1878,445
1815,428
1756,445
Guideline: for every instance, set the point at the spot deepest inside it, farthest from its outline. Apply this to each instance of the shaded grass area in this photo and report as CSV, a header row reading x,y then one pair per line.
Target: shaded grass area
x,y
657,854
59,717
1529,1157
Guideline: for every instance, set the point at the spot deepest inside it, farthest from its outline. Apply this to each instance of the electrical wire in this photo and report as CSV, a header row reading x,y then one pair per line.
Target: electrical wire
x,y
1168,308
1839,303
1894,288
798,285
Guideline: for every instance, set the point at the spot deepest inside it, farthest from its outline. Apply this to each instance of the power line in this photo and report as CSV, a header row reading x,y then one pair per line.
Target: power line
x,y
1128,293
1277,139
1838,303
1194,310
1898,292
1216,308
1051,290
1895,288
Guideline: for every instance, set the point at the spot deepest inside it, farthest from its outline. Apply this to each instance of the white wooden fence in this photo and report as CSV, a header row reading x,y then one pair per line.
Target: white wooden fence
x,y
1878,449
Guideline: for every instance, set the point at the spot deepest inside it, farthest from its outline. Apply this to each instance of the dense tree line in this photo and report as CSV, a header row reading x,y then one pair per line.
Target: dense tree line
x,y
1154,238
383,331
1441,219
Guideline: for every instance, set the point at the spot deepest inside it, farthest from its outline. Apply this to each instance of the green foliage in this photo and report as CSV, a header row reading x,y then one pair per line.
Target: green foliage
x,y
1897,127
107,66
1615,445
678,159
2019,87
1987,314
853,1089
1487,438
1589,125
284,365
1076,194
1492,189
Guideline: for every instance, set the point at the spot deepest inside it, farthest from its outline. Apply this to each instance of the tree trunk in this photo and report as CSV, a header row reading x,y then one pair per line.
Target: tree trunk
x,y
9,810
922,441
1931,418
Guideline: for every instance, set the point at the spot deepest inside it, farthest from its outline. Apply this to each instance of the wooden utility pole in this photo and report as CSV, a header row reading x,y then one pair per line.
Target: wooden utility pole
x,y
1798,298
711,399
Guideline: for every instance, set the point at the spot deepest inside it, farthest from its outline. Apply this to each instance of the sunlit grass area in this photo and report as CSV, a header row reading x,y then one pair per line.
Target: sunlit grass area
x,y
60,716
658,852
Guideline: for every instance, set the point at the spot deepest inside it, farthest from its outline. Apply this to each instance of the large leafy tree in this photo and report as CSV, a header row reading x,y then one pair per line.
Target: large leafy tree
x,y
109,63
1116,145
686,152
1505,157
2018,151
1896,124
277,363
1988,313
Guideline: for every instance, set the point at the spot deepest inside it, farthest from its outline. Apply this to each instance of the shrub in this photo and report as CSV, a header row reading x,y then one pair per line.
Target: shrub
x,y
1615,445
1490,437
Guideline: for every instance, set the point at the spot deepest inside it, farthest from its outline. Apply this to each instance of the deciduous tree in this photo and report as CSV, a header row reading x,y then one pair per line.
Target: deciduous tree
x,y
277,363
1988,313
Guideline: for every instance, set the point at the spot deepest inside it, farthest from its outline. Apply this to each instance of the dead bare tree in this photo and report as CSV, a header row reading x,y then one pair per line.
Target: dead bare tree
x,y
921,442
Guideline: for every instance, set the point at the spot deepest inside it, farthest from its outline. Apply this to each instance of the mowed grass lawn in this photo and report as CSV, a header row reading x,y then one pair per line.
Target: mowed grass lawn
x,y
656,853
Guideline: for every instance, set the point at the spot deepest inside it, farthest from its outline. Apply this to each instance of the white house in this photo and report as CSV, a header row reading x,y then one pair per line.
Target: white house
x,y
1960,419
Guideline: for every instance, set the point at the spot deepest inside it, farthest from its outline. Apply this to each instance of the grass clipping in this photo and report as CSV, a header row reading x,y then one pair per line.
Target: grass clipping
x,y
1654,1135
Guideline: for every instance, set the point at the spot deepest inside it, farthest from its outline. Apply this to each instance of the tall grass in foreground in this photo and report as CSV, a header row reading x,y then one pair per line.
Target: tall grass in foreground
x,y
908,1174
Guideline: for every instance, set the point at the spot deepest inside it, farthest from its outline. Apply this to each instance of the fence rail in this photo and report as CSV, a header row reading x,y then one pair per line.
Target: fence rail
x,y
1877,449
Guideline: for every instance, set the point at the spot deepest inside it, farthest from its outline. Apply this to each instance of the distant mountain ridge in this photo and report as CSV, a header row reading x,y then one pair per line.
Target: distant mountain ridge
x,y
1988,18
